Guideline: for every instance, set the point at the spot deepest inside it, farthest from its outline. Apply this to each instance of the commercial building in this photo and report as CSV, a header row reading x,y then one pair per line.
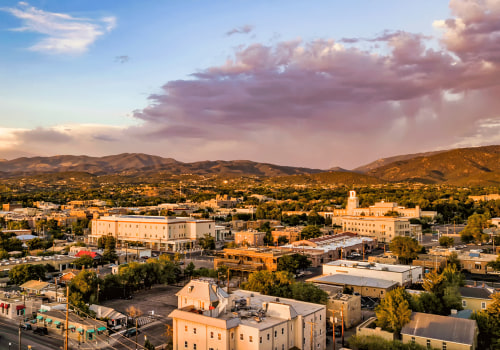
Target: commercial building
x,y
208,318
440,332
383,228
344,306
156,232
364,286
404,275
324,249
250,259
249,238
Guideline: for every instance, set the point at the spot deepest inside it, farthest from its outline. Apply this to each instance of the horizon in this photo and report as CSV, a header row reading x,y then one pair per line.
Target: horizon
x,y
285,83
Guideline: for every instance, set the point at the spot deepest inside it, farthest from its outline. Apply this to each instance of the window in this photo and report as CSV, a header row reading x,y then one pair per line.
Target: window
x,y
483,305
186,344
428,343
275,334
185,328
267,336
241,336
464,303
444,346
282,330
250,339
194,346
232,335
413,340
260,340
212,335
219,336
194,330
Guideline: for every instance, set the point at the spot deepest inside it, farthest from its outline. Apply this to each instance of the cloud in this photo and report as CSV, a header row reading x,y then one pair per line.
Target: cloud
x,y
330,96
122,59
61,33
246,29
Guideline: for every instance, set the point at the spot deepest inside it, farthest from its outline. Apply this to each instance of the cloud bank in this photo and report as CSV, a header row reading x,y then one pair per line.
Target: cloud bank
x,y
324,102
61,33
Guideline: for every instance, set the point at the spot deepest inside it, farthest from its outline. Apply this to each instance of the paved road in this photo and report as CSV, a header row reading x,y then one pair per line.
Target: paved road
x,y
10,334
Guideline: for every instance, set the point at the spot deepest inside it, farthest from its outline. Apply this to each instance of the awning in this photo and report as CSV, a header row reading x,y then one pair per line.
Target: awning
x,y
90,331
71,326
101,329
57,322
20,307
1,305
40,317
33,321
79,329
42,310
49,320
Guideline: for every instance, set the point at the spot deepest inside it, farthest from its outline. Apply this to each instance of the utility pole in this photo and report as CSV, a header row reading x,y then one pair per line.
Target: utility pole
x,y
333,324
66,321
228,270
19,334
136,333
342,315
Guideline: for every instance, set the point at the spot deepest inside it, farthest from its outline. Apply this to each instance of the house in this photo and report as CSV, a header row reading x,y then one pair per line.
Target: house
x,y
441,332
94,255
208,318
476,298
34,286
115,319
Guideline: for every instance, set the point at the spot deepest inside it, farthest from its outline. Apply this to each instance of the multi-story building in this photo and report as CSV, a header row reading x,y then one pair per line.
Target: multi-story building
x,y
250,259
383,228
344,307
208,318
249,238
404,275
155,232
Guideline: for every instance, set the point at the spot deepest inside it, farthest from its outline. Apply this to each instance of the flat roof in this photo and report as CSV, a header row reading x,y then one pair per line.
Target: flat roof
x,y
371,266
342,279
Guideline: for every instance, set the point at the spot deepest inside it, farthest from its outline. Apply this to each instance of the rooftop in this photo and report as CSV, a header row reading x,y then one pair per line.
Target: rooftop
x,y
370,266
341,279
445,328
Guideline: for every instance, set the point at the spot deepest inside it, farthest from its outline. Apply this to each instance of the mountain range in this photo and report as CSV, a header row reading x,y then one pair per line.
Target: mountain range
x,y
462,166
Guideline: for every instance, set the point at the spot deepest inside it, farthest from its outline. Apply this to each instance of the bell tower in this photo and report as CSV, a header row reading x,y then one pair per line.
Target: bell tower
x,y
352,202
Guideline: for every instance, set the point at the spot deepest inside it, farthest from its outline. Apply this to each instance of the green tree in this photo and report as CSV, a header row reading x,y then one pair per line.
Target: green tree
x,y
148,345
189,270
293,263
308,292
84,260
207,242
406,248
446,241
36,243
83,290
270,283
109,254
26,272
394,312
488,322
373,342
473,232
310,231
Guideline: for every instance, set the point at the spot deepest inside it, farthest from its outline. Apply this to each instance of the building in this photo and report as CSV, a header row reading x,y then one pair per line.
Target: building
x,y
404,275
485,197
250,259
364,286
14,306
249,238
324,249
383,228
82,329
291,233
476,298
495,221
344,306
116,320
156,232
440,332
208,318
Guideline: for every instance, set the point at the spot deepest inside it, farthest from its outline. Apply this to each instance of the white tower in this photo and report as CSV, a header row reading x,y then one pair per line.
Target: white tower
x,y
352,202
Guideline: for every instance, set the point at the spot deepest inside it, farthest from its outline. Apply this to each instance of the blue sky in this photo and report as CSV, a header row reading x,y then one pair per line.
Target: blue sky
x,y
102,77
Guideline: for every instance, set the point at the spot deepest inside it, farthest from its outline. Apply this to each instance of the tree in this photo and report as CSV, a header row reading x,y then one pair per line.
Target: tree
x,y
26,272
35,243
207,242
189,270
310,231
282,240
133,311
148,345
308,292
372,342
109,254
270,283
446,241
293,263
473,232
394,312
83,290
84,260
406,248
488,322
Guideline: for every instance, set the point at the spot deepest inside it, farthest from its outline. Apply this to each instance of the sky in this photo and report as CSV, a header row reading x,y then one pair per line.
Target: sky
x,y
315,84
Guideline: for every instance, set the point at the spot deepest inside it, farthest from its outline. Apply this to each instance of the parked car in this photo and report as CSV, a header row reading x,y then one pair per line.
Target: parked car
x,y
131,332
26,327
41,331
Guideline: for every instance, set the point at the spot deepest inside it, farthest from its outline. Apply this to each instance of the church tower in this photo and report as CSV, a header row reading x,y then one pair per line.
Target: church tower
x,y
352,202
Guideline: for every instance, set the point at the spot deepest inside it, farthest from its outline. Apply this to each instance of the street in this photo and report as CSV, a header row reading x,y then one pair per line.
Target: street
x,y
10,334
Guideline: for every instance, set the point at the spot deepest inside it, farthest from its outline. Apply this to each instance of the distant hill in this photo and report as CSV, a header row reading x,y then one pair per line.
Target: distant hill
x,y
384,161
130,163
462,166
347,178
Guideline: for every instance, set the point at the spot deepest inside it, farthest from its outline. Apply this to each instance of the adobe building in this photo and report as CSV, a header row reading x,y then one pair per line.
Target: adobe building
x,y
248,260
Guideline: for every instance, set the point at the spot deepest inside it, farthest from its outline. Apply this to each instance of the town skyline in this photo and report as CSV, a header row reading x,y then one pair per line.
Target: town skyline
x,y
282,83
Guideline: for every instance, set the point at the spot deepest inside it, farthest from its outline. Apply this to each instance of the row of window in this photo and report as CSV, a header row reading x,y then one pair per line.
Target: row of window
x,y
428,343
